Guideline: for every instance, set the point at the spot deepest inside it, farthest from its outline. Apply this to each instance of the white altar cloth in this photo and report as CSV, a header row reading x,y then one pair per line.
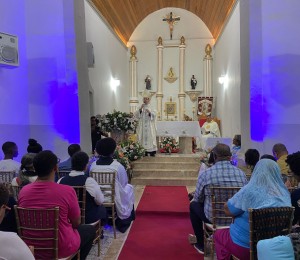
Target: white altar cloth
x,y
178,128
185,130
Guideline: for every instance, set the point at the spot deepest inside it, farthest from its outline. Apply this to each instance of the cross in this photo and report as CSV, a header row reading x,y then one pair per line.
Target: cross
x,y
171,21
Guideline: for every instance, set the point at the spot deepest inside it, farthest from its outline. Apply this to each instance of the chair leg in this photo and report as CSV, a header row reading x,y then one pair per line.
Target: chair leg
x,y
114,222
99,240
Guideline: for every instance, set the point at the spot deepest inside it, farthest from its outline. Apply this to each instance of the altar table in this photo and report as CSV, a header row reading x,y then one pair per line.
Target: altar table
x,y
185,130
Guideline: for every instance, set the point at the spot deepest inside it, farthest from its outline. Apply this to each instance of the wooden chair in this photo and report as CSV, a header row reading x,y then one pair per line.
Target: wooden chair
x,y
63,174
268,223
16,191
6,176
219,195
107,181
81,196
39,228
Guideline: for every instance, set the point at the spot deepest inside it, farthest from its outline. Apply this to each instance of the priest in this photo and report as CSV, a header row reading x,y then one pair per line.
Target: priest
x,y
146,130
210,128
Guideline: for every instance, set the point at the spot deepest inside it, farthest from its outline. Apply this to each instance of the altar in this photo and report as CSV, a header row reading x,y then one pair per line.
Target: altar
x,y
185,130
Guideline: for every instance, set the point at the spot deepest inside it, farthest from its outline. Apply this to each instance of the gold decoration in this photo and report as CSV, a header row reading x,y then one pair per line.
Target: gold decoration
x,y
170,76
159,41
208,50
133,51
182,40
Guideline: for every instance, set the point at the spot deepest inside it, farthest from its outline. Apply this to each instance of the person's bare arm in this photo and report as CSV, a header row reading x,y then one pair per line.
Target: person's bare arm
x,y
226,210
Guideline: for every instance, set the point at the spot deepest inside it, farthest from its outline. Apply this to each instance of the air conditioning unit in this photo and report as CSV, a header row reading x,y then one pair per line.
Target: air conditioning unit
x,y
9,56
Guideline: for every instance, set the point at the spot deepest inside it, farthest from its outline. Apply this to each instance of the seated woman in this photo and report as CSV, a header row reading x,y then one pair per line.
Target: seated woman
x,y
293,161
94,198
265,189
26,174
124,191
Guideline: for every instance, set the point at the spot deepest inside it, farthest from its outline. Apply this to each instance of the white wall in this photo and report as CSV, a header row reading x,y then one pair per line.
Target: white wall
x,y
226,55
111,60
145,38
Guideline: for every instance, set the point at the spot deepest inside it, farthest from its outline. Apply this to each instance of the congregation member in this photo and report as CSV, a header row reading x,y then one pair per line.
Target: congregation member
x,y
222,173
96,132
45,193
210,128
11,245
280,153
34,146
265,189
293,161
94,197
268,156
10,151
67,164
237,158
27,173
146,129
251,158
124,198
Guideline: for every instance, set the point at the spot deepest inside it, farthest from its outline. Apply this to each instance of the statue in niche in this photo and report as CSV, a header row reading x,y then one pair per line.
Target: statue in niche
x,y
193,82
148,82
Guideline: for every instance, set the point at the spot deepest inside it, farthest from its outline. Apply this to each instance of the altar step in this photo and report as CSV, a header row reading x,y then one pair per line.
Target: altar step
x,y
166,170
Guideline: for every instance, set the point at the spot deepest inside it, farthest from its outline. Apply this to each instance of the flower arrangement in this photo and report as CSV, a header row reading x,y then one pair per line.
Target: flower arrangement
x,y
121,158
132,150
117,121
169,145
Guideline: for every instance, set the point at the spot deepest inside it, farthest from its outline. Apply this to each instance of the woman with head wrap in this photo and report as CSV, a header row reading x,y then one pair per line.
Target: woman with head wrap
x,y
34,146
264,190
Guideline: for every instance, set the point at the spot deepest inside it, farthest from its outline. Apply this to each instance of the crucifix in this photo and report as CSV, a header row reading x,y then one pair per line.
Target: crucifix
x,y
171,21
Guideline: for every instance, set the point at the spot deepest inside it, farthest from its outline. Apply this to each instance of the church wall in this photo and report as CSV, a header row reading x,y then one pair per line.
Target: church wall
x,y
226,61
273,72
39,99
145,39
111,61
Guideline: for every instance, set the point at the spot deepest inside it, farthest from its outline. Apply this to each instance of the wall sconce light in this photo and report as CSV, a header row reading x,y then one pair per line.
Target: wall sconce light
x,y
114,83
223,79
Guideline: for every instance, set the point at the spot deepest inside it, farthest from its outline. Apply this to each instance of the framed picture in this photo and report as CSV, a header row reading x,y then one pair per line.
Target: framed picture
x,y
170,108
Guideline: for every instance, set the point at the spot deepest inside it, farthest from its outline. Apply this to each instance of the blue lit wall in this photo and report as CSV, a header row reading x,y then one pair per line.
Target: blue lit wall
x,y
39,99
274,73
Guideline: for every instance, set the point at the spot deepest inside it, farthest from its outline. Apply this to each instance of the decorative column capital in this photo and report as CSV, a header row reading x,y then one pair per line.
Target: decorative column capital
x,y
208,51
160,42
133,52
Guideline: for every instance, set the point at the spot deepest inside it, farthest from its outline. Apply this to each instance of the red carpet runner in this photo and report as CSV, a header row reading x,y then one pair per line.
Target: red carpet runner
x,y
161,227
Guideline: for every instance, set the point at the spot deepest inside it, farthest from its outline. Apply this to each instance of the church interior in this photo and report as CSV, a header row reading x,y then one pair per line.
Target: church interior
x,y
234,61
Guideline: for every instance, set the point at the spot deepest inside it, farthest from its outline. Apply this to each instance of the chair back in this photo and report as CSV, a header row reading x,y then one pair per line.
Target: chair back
x,y
220,195
268,223
6,176
39,228
16,191
63,174
107,181
81,197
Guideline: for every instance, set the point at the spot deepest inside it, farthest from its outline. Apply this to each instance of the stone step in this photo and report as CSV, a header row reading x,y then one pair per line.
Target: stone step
x,y
165,181
165,173
166,165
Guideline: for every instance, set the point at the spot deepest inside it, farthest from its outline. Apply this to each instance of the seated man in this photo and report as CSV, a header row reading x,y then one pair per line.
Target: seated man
x,y
11,245
222,173
67,165
210,128
280,153
10,150
125,199
94,197
45,193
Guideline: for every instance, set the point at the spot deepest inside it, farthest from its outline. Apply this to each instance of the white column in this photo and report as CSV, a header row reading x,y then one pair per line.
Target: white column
x,y
207,72
181,94
159,94
133,99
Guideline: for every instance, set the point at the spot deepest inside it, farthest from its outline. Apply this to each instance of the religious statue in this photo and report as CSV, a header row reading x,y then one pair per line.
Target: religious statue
x,y
193,82
148,82
171,21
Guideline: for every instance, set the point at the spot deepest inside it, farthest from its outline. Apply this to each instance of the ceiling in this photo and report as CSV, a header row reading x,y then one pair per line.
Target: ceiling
x,y
123,16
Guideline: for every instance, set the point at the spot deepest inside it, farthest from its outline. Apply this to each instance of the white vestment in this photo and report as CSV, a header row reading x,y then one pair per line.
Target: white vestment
x,y
146,129
213,129
124,197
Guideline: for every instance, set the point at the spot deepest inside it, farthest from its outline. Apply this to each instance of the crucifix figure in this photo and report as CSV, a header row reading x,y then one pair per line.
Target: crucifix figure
x,y
171,21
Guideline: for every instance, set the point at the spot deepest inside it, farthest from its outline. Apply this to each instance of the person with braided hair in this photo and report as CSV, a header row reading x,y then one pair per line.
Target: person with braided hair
x,y
293,161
